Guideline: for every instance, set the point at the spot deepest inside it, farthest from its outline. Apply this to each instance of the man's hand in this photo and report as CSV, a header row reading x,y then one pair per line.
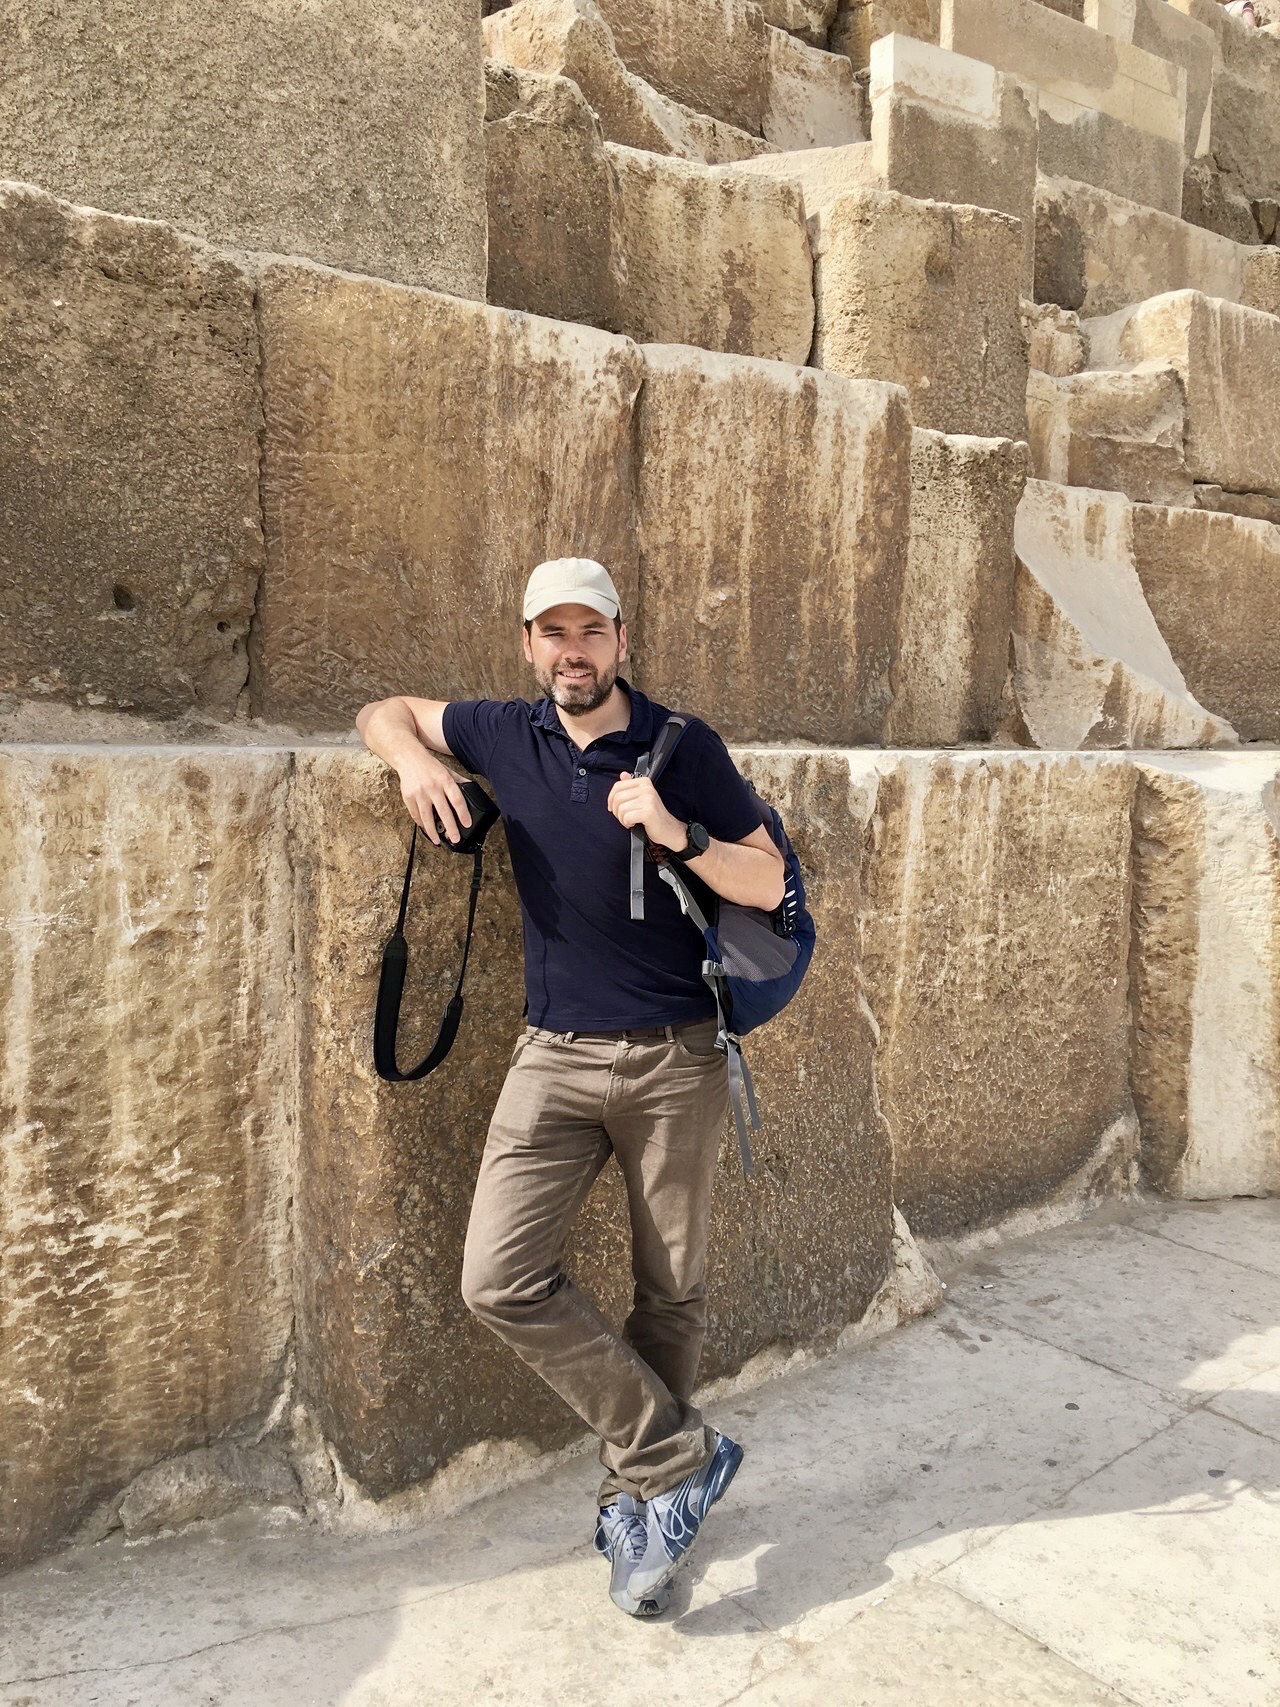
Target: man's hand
x,y
428,787
634,800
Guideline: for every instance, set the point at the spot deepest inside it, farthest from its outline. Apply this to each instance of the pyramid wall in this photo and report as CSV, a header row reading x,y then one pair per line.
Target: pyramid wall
x,y
909,365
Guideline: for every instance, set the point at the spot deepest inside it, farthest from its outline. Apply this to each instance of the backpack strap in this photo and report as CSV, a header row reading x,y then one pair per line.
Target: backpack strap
x,y
395,962
651,764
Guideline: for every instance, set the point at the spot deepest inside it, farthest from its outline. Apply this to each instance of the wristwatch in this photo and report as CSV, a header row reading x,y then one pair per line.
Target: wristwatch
x,y
698,843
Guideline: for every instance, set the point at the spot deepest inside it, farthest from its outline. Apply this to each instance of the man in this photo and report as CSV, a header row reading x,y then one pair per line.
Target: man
x,y
619,1053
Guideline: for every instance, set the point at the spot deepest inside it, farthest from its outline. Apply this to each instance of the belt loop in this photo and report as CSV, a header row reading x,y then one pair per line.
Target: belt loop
x,y
569,1036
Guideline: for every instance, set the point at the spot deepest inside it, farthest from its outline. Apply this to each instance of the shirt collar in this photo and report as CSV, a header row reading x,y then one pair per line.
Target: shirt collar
x,y
639,730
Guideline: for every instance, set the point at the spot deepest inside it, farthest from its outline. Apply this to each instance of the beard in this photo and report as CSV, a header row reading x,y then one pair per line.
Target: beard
x,y
578,698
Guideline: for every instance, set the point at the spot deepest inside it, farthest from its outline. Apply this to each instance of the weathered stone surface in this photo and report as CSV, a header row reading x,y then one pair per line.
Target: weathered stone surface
x,y
1252,504
130,541
711,54
570,38
342,131
383,1205
146,1100
553,201
813,101
1121,432
771,588
1205,969
1262,280
1055,344
1213,199
955,130
824,175
859,23
1160,29
811,20
1243,121
1098,253
1090,666
1213,585
925,295
205,1483
957,605
714,256
1096,148
994,944
1228,359
405,435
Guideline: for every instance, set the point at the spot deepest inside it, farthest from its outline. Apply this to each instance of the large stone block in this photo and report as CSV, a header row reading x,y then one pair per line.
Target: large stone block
x,y
570,38
925,295
813,101
1097,252
1243,137
711,54
810,20
146,1100
825,176
422,454
402,1378
130,540
771,588
995,935
957,603
714,256
1158,28
1120,432
1205,970
1090,666
1213,585
1228,359
554,246
954,130
859,23
339,131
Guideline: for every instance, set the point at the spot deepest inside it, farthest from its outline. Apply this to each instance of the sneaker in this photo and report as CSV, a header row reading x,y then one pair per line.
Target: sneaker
x,y
672,1519
622,1536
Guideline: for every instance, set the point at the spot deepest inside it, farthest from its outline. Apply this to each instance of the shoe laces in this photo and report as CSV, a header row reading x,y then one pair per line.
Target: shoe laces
x,y
625,1530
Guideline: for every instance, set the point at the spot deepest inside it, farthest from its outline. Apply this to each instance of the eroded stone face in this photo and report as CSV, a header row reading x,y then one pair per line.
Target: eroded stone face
x,y
129,420
345,132
859,23
422,456
146,1100
1206,972
813,101
1117,431
771,587
710,54
925,295
995,938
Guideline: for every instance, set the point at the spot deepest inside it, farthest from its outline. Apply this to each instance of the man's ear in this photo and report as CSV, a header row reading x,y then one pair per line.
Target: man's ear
x,y
524,642
622,641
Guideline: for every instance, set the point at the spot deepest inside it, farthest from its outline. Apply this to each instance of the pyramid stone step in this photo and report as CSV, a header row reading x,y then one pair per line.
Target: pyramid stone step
x,y
713,55
1117,431
328,131
810,20
813,101
1159,28
860,23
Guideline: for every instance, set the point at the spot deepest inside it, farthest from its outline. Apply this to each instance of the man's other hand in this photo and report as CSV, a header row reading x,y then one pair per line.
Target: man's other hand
x,y
633,800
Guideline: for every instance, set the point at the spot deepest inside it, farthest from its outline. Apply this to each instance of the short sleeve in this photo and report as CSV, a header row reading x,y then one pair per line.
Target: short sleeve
x,y
725,804
472,728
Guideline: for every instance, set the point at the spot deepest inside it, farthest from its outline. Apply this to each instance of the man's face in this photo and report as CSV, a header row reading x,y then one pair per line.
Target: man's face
x,y
575,656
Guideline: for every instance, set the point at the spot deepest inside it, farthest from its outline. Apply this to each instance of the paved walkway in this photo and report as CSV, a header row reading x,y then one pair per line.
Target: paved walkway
x,y
1063,1488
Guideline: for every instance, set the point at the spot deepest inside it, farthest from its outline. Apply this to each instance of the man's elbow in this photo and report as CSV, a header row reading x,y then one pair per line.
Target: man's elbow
x,y
778,886
365,713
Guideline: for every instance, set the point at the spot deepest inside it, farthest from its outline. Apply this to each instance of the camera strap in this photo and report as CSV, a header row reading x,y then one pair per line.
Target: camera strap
x,y
395,961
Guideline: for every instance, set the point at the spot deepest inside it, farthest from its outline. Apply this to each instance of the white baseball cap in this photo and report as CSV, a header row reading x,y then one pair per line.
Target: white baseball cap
x,y
571,581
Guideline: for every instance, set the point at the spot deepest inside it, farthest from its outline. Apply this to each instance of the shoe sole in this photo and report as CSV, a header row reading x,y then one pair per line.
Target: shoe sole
x,y
663,1582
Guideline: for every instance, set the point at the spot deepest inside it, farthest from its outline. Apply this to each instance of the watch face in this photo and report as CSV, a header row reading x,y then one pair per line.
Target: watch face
x,y
699,838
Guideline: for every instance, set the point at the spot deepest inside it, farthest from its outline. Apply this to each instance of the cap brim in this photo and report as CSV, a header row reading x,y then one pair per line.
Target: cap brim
x,y
569,596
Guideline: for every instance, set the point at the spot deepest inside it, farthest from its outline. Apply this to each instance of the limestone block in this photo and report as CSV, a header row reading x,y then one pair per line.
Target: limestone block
x,y
342,132
957,605
925,295
1090,666
554,247
859,23
1098,252
713,55
772,587
1092,147
1206,984
130,540
147,1096
422,454
994,943
1158,28
824,175
1228,359
714,257
1261,280
570,38
1122,432
1055,344
401,1376
1213,585
810,20
1252,504
954,130
813,100
1244,127
1214,200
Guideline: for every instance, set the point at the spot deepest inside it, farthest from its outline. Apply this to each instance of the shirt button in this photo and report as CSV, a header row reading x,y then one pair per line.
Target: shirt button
x,y
581,772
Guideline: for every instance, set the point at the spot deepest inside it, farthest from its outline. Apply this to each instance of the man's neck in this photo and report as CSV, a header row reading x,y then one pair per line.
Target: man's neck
x,y
607,719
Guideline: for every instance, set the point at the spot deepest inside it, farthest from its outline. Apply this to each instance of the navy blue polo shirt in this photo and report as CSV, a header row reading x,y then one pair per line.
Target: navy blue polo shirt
x,y
588,965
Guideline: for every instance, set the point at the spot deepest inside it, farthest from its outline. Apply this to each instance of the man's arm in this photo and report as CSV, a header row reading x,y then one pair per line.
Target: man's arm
x,y
751,872
406,734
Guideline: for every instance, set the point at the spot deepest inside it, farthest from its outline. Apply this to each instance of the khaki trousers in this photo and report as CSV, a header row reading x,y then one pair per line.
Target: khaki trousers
x,y
569,1101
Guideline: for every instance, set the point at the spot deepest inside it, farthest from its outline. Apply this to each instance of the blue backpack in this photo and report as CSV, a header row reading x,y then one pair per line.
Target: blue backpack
x,y
755,961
